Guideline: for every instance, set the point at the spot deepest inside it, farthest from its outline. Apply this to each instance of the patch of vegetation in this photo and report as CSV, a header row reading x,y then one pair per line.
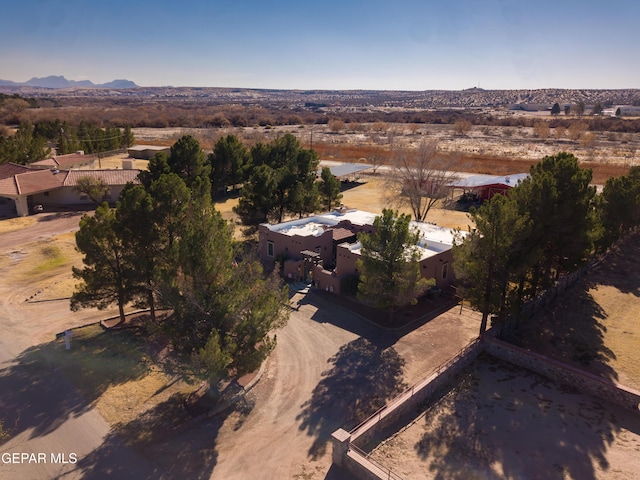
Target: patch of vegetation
x,y
99,359
52,258
4,435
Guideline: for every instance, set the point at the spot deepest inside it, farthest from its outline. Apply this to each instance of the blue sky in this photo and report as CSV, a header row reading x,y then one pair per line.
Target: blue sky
x,y
399,45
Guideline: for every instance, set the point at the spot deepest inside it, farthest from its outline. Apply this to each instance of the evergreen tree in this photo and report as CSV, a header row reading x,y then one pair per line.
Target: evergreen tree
x,y
229,161
329,189
107,276
280,172
558,199
488,260
187,160
389,263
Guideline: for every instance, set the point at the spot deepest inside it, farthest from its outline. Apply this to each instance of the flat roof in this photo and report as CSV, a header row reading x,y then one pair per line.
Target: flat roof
x,y
345,169
434,238
316,224
141,148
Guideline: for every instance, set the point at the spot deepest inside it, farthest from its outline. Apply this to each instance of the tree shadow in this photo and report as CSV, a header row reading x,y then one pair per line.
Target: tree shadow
x,y
346,318
572,330
372,323
362,378
39,386
620,267
159,434
502,421
63,214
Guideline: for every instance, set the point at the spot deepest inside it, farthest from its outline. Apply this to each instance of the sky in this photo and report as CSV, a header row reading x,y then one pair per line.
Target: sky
x,y
329,44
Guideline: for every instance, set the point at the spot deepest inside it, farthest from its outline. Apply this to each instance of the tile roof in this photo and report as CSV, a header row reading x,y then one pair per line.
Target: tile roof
x,y
65,161
38,181
17,180
342,233
8,170
110,177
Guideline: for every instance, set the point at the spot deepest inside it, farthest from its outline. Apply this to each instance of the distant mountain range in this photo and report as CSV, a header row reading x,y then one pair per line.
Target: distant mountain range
x,y
54,81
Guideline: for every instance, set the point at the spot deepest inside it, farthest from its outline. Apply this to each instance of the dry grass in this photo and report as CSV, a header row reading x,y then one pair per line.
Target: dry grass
x,y
13,224
594,325
114,372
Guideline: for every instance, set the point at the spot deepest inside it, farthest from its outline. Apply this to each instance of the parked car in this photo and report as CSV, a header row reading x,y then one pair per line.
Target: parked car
x,y
38,208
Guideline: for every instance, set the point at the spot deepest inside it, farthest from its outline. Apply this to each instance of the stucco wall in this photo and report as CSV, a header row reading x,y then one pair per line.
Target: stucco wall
x,y
290,246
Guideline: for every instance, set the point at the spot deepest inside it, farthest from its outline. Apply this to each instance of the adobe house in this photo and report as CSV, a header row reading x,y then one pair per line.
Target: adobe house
x,y
323,249
285,242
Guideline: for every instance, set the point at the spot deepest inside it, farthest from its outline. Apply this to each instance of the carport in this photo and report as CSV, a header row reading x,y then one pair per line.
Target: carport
x,y
18,183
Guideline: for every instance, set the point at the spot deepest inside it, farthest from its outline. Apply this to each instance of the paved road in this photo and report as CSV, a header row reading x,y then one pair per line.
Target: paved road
x,y
44,413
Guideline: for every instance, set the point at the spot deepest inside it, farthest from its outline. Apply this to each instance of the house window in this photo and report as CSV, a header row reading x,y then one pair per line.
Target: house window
x,y
269,248
84,197
46,194
107,196
445,270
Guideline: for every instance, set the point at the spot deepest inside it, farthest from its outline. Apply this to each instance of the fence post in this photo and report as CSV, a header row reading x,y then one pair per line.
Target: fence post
x,y
340,440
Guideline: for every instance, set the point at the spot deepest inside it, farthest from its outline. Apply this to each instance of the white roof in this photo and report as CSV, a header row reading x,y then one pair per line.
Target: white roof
x,y
316,224
140,148
476,181
433,238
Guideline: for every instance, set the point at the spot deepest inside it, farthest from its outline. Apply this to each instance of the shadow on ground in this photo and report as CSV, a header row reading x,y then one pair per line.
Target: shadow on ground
x,y
573,327
63,214
372,323
362,378
39,395
38,388
503,417
175,452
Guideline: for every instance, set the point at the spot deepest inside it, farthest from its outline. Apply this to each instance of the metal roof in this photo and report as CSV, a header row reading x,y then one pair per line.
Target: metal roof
x,y
345,169
476,181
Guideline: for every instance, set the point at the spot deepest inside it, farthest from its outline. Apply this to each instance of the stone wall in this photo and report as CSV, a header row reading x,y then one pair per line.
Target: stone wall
x,y
416,395
563,374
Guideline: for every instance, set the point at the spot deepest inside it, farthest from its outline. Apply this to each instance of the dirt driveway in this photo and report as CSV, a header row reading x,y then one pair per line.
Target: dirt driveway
x,y
330,369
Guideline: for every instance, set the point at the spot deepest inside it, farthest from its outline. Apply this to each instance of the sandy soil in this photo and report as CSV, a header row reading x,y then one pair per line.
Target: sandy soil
x,y
502,421
595,325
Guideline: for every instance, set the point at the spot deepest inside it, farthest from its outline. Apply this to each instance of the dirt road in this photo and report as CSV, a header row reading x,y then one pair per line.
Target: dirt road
x,y
330,369
43,413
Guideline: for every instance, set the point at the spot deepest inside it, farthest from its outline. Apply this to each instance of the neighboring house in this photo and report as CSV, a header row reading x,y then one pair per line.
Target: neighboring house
x,y
145,152
68,195
323,249
483,187
22,187
65,162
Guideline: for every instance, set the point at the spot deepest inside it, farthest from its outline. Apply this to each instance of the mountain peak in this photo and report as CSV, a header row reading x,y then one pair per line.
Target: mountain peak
x,y
59,81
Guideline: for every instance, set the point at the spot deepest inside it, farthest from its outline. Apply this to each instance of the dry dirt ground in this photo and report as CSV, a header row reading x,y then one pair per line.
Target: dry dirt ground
x,y
504,422
596,324
492,150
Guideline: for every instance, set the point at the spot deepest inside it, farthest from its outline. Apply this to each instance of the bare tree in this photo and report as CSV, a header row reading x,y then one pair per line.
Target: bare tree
x,y
541,129
422,177
94,188
576,129
462,127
